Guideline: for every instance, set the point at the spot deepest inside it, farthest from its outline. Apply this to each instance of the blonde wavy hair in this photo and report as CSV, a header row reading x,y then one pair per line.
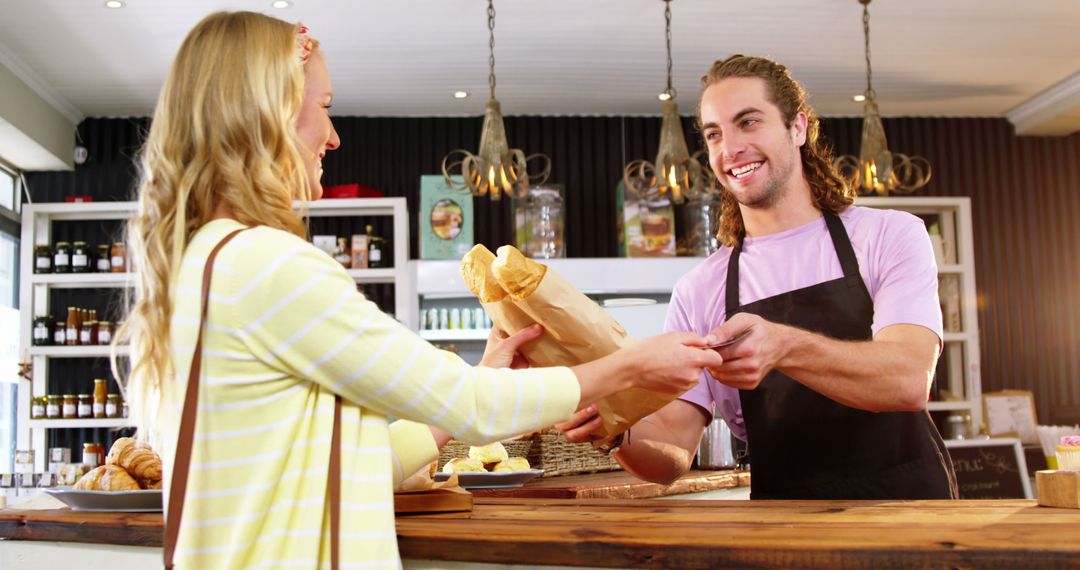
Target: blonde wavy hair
x,y
223,132
828,190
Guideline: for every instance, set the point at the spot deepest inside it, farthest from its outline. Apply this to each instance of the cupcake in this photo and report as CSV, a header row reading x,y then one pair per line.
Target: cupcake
x,y
1068,453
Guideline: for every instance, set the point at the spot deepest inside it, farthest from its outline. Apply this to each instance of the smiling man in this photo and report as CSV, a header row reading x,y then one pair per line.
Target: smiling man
x,y
830,385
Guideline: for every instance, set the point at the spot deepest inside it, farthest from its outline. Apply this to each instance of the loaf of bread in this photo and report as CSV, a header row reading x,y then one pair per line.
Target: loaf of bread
x,y
107,478
517,274
476,271
464,465
137,458
489,454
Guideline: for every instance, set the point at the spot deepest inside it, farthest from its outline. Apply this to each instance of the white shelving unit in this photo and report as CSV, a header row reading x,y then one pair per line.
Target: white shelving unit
x,y
34,297
961,353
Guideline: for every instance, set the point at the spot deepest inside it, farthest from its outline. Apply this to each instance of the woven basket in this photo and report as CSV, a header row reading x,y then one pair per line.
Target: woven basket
x,y
548,451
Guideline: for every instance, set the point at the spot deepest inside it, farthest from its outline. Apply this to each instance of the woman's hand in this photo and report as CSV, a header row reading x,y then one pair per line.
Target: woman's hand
x,y
747,362
580,427
502,349
671,363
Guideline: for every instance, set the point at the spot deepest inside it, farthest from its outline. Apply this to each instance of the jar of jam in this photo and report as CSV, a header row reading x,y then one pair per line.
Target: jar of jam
x,y
37,408
88,333
117,260
60,333
80,257
70,407
86,408
93,454
100,397
72,327
104,264
112,406
43,333
62,257
53,406
104,332
43,259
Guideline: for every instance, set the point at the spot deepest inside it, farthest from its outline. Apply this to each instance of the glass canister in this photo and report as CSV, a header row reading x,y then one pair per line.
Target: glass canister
x,y
104,332
698,222
62,257
80,257
545,222
43,259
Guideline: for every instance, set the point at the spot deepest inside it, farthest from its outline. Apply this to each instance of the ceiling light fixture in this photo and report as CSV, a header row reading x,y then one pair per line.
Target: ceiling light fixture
x,y
859,98
460,94
115,4
675,171
495,168
876,170
281,3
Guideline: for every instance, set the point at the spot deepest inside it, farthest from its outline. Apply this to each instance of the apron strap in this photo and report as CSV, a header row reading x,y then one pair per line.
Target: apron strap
x,y
186,438
842,243
731,290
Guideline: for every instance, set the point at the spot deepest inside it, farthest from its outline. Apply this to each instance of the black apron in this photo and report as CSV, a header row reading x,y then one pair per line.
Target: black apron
x,y
804,445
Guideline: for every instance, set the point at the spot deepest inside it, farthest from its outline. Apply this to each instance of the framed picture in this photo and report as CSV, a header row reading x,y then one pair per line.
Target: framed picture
x,y
445,219
1011,413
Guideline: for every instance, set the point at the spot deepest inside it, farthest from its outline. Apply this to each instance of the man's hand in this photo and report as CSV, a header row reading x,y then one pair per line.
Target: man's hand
x,y
748,361
581,426
502,349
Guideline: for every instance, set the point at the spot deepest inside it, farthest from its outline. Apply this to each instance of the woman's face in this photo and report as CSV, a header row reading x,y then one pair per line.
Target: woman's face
x,y
314,127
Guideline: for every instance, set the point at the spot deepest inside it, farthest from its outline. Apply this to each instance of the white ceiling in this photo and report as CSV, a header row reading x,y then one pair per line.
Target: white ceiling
x,y
574,57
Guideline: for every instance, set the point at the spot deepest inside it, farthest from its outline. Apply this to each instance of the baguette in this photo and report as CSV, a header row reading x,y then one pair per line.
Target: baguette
x,y
517,274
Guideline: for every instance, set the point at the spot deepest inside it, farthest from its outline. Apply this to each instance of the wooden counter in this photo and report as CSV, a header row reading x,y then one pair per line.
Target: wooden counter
x,y
681,533
760,534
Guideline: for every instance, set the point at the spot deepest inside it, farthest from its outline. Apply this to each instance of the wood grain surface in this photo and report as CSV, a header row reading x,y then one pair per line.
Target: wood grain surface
x,y
618,485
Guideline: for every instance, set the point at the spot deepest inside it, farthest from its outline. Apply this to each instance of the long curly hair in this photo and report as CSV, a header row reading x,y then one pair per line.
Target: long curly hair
x,y
223,132
829,191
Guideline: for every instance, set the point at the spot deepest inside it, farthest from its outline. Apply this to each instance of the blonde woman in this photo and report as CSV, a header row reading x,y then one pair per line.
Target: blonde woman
x,y
239,132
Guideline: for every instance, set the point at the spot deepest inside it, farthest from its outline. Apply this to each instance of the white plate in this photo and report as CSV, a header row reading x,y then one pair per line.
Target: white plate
x,y
499,480
142,501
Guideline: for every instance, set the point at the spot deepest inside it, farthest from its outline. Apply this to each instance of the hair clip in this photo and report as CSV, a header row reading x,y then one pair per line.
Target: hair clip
x,y
303,43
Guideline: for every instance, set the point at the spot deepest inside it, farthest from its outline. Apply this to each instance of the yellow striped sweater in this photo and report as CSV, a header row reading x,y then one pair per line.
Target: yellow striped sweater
x,y
287,330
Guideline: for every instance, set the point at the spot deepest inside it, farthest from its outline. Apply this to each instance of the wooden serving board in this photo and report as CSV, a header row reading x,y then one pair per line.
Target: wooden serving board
x,y
618,485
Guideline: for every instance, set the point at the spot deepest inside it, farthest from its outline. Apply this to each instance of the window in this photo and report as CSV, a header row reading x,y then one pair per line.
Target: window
x,y
9,316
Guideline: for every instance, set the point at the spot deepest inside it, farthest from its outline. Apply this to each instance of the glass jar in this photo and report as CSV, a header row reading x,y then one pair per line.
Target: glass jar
x,y
80,257
70,407
88,332
60,333
43,259
93,454
53,405
104,332
86,409
43,333
62,257
544,222
37,408
72,327
112,406
100,397
697,225
117,259
104,264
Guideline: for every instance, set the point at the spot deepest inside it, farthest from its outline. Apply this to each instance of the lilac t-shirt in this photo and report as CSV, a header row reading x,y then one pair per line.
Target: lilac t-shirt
x,y
895,259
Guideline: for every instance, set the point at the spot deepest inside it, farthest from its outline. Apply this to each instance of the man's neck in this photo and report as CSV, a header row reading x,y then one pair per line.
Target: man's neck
x,y
793,210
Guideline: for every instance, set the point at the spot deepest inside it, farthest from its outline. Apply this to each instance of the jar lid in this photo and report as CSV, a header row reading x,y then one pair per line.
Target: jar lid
x,y
84,395
69,395
91,445
80,242
60,243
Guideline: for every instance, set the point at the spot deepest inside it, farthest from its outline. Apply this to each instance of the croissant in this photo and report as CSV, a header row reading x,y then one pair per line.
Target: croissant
x,y
106,478
137,458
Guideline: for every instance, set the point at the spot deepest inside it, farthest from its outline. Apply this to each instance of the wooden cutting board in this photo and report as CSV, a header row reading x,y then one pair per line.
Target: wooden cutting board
x,y
618,485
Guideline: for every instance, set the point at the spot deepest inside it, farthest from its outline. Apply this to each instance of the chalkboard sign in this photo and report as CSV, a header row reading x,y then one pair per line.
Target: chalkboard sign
x,y
990,468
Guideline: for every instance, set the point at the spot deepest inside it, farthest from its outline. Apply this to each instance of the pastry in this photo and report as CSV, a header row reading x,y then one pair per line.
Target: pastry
x,y
513,464
1068,452
464,465
107,478
489,454
517,274
137,458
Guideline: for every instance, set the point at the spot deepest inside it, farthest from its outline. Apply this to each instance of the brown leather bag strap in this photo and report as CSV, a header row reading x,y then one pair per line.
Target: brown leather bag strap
x,y
186,438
